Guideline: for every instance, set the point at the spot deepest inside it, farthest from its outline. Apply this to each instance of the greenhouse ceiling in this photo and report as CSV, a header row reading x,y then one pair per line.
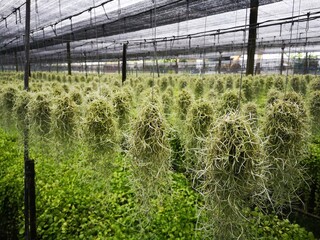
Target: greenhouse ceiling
x,y
97,29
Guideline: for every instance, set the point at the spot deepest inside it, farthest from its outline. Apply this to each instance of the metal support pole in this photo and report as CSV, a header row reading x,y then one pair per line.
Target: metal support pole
x,y
143,64
29,172
69,58
282,60
305,70
219,63
254,4
124,63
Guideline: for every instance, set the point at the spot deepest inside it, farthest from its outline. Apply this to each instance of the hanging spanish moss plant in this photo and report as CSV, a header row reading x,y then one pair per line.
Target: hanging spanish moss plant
x,y
303,86
40,113
211,95
269,83
315,84
167,102
100,126
257,86
184,101
279,83
314,106
121,104
272,96
199,120
8,98
233,177
229,82
295,83
285,130
21,108
76,96
247,89
65,117
218,87
149,154
199,88
169,91
250,111
163,84
183,84
229,102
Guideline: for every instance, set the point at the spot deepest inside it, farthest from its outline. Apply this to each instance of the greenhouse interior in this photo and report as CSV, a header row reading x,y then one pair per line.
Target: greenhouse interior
x,y
160,119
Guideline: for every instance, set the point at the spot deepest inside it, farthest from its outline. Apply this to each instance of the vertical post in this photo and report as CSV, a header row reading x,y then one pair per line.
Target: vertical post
x,y
119,66
282,59
143,64
16,61
203,65
305,70
156,58
69,58
124,63
29,172
254,4
220,62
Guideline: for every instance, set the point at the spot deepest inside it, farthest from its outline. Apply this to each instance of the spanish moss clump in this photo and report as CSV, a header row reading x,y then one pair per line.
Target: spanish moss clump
x,y
139,89
21,108
273,95
279,84
65,114
269,83
285,130
8,98
295,84
199,120
250,111
149,153
229,102
100,127
247,89
314,106
169,91
199,88
184,101
40,113
150,82
229,82
315,84
183,84
233,177
76,97
218,87
163,84
295,98
257,86
211,82
211,95
167,102
303,86
121,104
